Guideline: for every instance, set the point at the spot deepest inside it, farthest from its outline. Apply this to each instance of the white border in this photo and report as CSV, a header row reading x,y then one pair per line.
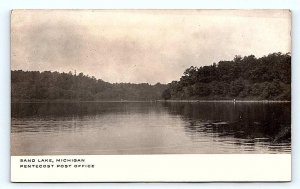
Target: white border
x,y
156,168
5,6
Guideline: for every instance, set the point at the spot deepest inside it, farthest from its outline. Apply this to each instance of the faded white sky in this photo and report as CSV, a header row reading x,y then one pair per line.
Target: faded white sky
x,y
142,45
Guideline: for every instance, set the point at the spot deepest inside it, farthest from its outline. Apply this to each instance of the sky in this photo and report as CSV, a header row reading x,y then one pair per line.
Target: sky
x,y
142,46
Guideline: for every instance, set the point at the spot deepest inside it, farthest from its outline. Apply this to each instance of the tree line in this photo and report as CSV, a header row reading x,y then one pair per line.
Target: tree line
x,y
35,86
251,78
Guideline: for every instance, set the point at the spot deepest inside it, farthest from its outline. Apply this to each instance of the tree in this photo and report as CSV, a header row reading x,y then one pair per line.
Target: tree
x,y
236,87
32,85
166,94
268,77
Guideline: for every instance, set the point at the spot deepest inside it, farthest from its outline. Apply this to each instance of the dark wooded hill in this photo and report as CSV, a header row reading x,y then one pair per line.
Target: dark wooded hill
x,y
246,78
35,86
249,78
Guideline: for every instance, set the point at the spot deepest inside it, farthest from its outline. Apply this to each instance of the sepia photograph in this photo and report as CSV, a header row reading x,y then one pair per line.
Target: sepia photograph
x,y
148,82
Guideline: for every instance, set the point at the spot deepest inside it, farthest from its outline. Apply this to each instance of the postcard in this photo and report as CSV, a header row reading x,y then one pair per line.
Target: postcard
x,y
150,95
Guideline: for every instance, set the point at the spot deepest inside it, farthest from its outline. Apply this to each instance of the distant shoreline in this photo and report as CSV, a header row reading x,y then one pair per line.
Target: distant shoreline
x,y
265,101
124,101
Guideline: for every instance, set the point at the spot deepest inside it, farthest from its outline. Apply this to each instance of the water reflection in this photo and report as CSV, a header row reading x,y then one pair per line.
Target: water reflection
x,y
249,124
150,128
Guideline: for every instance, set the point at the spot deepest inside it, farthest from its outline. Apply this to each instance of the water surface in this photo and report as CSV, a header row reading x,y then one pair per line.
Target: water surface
x,y
150,128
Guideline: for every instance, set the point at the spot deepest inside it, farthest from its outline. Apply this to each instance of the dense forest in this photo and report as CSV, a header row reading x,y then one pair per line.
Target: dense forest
x,y
251,78
35,86
245,78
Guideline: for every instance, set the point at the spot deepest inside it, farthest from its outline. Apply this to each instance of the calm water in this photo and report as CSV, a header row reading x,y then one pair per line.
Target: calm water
x,y
150,128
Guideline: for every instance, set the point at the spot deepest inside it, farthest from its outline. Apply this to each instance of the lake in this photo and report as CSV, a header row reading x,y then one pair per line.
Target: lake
x,y
95,128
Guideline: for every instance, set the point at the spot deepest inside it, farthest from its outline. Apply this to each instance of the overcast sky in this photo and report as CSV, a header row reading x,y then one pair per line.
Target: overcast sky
x,y
142,46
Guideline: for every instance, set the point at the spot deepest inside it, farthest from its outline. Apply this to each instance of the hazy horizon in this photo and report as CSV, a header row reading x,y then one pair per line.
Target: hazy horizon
x,y
142,46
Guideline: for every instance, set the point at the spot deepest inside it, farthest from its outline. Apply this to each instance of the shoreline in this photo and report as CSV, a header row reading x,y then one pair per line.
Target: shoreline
x,y
125,101
232,101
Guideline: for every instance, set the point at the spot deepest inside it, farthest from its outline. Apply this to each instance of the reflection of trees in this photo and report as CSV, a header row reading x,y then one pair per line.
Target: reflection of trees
x,y
22,110
54,113
240,120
